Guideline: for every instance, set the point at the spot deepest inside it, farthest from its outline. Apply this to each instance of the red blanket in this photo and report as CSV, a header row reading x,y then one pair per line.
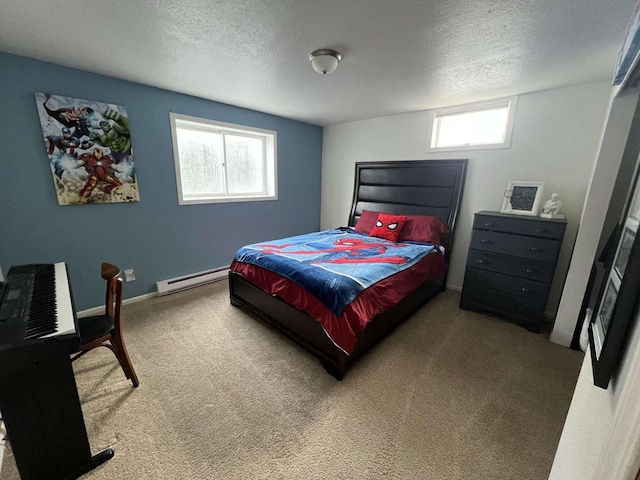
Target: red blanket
x,y
370,303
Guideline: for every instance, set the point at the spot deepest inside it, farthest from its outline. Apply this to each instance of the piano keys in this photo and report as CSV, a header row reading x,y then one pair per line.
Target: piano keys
x,y
36,298
38,395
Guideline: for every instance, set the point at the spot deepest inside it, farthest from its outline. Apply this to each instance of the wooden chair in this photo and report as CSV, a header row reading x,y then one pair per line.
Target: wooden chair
x,y
105,330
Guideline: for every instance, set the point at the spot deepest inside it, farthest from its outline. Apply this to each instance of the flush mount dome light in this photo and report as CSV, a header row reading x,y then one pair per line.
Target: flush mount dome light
x,y
324,60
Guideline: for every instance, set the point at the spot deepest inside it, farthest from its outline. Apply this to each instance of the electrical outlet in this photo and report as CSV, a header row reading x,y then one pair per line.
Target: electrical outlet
x,y
129,276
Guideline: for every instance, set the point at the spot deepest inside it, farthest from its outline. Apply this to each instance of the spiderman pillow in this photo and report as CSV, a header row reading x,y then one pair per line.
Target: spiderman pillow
x,y
388,226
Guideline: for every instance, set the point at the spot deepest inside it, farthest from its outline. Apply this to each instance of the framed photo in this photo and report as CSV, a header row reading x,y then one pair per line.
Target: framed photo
x,y
606,306
629,48
624,250
634,207
523,198
618,299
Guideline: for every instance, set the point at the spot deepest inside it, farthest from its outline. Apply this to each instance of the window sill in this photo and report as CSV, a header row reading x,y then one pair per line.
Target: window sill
x,y
248,198
490,146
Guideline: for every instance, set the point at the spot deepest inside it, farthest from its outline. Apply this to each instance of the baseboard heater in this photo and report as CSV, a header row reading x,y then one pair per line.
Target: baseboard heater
x,y
173,285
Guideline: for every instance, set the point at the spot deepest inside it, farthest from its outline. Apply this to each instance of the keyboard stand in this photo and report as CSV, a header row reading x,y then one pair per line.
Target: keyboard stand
x,y
97,460
41,409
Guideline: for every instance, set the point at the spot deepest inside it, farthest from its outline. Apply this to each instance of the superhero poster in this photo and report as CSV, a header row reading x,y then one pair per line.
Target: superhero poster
x,y
89,149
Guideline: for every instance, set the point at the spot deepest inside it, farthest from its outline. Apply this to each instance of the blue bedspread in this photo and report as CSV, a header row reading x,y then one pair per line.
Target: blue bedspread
x,y
334,265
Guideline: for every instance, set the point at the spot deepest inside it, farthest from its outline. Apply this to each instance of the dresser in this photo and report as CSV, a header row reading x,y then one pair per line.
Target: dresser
x,y
510,266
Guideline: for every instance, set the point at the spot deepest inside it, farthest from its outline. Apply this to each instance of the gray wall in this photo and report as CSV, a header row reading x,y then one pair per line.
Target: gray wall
x,y
600,433
555,138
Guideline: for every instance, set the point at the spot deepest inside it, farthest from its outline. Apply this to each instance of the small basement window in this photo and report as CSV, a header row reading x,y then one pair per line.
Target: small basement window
x,y
222,162
475,126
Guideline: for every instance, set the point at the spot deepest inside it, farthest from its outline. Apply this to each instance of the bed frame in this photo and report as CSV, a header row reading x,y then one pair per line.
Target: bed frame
x,y
416,187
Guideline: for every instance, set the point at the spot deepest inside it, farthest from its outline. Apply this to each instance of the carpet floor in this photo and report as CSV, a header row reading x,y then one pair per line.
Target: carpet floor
x,y
448,395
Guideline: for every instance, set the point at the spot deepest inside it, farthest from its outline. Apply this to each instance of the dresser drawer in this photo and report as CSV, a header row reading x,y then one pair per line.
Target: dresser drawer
x,y
520,287
519,246
534,228
477,297
518,267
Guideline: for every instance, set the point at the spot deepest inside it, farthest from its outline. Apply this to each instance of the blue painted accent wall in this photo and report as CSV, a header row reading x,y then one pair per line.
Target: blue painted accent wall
x,y
156,237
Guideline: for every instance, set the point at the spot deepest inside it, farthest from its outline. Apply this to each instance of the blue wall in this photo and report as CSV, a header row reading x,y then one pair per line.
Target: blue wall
x,y
156,237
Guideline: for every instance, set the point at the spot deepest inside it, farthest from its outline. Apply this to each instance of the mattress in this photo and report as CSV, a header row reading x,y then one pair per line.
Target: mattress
x,y
343,328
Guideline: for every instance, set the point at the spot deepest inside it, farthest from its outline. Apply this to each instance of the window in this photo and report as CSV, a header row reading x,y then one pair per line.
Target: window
x,y
221,162
471,127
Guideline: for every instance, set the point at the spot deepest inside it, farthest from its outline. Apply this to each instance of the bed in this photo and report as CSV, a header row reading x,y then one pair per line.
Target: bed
x,y
423,187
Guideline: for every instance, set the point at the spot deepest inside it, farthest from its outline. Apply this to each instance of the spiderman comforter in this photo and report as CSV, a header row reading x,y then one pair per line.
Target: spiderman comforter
x,y
334,266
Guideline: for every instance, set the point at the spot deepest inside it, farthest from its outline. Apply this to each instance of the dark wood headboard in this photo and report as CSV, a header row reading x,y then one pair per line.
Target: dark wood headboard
x,y
414,187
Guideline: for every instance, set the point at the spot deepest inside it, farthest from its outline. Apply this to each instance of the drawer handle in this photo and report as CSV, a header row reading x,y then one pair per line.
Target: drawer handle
x,y
483,262
536,249
489,224
525,290
531,270
541,230
486,241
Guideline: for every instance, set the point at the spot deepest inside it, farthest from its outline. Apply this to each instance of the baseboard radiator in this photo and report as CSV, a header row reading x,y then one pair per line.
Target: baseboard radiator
x,y
173,285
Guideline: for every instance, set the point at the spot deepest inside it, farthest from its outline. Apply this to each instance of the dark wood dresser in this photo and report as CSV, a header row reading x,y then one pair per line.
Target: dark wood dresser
x,y
510,266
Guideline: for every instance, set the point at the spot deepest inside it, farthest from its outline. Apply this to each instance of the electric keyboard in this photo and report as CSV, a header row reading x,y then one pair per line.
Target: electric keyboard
x,y
35,304
38,395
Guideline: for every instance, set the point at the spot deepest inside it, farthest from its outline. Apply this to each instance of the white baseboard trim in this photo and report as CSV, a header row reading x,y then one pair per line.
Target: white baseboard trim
x,y
455,288
100,310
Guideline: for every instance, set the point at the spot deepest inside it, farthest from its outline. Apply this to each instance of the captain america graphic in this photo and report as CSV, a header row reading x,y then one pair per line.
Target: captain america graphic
x,y
66,143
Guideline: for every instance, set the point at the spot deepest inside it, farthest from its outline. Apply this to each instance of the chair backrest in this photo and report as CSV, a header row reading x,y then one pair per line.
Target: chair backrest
x,y
111,274
118,307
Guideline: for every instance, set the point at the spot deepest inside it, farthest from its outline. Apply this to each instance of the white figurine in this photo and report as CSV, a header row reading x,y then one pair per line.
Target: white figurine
x,y
551,208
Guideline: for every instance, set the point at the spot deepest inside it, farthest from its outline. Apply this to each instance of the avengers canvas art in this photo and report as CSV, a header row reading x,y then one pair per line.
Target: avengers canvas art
x,y
89,149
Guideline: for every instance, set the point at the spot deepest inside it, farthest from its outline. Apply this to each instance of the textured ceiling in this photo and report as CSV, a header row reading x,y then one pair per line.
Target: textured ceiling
x,y
398,55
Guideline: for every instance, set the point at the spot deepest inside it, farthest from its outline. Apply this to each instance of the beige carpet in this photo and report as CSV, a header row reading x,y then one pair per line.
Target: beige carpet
x,y
449,395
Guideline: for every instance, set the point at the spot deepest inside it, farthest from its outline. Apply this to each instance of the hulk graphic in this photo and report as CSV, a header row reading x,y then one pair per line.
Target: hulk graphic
x,y
115,137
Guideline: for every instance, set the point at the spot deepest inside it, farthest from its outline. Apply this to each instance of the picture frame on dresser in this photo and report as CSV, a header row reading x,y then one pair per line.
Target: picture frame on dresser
x,y
617,303
523,198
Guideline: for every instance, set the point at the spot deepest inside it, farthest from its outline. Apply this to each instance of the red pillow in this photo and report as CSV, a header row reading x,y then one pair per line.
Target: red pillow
x,y
388,226
421,228
366,221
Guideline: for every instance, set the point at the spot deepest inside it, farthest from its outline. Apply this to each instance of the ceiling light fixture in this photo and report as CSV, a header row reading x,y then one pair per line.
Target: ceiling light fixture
x,y
324,60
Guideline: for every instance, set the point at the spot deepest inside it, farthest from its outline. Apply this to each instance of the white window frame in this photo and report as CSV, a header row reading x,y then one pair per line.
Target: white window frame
x,y
270,146
511,102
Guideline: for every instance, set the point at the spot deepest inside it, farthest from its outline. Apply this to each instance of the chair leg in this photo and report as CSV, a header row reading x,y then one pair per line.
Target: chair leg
x,y
122,355
73,359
